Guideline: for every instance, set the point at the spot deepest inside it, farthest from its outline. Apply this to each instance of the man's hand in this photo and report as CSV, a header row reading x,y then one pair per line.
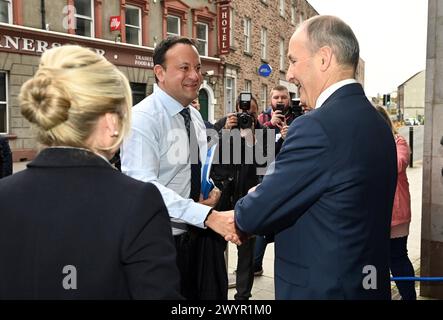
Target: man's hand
x,y
277,118
224,224
284,131
213,198
231,121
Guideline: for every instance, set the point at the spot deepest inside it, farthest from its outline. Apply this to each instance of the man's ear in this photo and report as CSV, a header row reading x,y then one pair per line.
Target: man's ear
x,y
325,56
159,72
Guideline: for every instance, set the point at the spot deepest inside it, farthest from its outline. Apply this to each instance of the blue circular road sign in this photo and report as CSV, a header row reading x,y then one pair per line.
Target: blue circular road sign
x,y
264,70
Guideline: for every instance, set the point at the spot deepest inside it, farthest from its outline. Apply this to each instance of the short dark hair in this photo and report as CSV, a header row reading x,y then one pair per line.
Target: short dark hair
x,y
166,44
279,87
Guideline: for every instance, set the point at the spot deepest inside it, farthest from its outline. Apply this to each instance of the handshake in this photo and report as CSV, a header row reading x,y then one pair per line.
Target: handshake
x,y
223,222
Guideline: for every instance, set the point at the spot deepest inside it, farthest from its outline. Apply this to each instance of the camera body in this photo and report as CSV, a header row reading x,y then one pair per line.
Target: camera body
x,y
296,108
244,120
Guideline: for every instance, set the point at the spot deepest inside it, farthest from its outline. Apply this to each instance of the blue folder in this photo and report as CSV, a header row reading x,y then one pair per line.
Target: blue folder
x,y
207,184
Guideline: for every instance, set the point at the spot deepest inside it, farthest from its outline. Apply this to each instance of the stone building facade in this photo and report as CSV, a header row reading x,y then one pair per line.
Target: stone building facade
x,y
260,33
27,28
236,39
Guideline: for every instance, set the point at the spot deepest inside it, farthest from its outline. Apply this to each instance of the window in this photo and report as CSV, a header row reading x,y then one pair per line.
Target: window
x,y
247,34
300,20
138,92
263,43
282,54
84,12
248,86
173,26
264,96
3,103
293,14
202,38
5,11
133,25
230,94
282,8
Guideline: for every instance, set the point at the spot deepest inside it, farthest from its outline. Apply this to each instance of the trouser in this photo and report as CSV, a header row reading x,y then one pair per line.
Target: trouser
x,y
245,270
260,248
401,266
186,263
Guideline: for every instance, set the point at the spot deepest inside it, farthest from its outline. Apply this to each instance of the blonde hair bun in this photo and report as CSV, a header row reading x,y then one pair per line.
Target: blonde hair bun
x,y
72,88
44,102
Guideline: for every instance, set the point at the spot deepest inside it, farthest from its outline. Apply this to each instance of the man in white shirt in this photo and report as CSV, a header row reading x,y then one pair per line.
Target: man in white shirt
x,y
167,147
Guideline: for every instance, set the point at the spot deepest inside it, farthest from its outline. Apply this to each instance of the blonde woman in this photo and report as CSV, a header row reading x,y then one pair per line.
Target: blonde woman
x,y
71,226
401,266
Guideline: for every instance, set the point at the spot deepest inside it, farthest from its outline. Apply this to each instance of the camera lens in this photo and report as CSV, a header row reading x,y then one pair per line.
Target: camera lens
x,y
244,120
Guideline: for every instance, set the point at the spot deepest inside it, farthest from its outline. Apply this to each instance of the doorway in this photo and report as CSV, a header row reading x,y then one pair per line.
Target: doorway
x,y
204,103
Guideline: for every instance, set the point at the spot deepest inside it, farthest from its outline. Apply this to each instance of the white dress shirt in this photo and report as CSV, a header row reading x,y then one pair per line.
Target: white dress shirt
x,y
330,90
157,151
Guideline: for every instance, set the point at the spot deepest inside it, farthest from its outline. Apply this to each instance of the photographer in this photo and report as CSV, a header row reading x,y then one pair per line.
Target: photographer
x,y
235,179
279,111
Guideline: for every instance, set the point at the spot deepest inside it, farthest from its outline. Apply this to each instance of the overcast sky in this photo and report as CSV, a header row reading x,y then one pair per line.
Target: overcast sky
x,y
391,34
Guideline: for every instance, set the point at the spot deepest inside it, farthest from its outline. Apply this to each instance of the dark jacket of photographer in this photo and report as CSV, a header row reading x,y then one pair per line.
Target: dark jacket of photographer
x,y
5,158
235,179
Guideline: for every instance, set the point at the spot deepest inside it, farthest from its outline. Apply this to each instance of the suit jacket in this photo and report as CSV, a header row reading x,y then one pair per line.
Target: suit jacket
x,y
72,227
329,201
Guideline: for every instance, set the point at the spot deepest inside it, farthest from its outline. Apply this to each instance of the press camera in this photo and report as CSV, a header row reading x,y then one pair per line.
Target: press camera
x,y
244,120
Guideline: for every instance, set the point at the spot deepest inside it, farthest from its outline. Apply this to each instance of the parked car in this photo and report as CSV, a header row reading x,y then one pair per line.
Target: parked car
x,y
411,122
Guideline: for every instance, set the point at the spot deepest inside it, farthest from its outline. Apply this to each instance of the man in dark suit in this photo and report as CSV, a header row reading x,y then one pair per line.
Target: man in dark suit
x,y
329,197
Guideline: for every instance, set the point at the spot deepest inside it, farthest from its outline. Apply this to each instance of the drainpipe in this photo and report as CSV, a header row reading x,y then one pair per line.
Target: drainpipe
x,y
43,13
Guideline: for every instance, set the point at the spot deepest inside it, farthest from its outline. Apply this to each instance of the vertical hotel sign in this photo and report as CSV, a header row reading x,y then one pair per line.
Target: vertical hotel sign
x,y
224,27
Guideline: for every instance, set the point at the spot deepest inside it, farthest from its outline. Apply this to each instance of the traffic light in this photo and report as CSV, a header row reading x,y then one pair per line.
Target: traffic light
x,y
386,100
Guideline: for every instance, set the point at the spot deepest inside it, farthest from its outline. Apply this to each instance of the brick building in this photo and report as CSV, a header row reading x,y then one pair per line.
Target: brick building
x,y
235,38
27,28
260,33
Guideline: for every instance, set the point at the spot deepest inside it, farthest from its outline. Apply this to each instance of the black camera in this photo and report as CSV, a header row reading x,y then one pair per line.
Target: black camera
x,y
244,120
296,108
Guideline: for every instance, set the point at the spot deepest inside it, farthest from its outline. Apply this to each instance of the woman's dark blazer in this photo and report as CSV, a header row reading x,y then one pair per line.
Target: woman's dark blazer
x,y
72,227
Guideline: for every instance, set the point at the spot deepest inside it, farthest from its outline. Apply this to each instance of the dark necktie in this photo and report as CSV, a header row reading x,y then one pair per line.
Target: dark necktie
x,y
195,167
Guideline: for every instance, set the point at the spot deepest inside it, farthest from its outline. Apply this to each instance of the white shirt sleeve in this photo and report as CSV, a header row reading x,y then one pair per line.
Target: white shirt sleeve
x,y
140,159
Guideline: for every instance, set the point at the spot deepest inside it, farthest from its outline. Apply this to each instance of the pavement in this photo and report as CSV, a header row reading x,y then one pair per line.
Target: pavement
x,y
263,288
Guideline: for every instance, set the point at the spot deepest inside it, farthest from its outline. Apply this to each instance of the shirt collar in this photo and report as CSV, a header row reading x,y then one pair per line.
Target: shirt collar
x,y
330,90
172,106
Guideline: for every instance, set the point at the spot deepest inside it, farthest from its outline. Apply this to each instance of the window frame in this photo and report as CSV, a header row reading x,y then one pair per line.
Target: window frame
x,y
247,34
133,26
230,97
6,102
282,8
80,16
206,41
263,43
282,57
293,14
10,11
248,85
264,96
178,24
